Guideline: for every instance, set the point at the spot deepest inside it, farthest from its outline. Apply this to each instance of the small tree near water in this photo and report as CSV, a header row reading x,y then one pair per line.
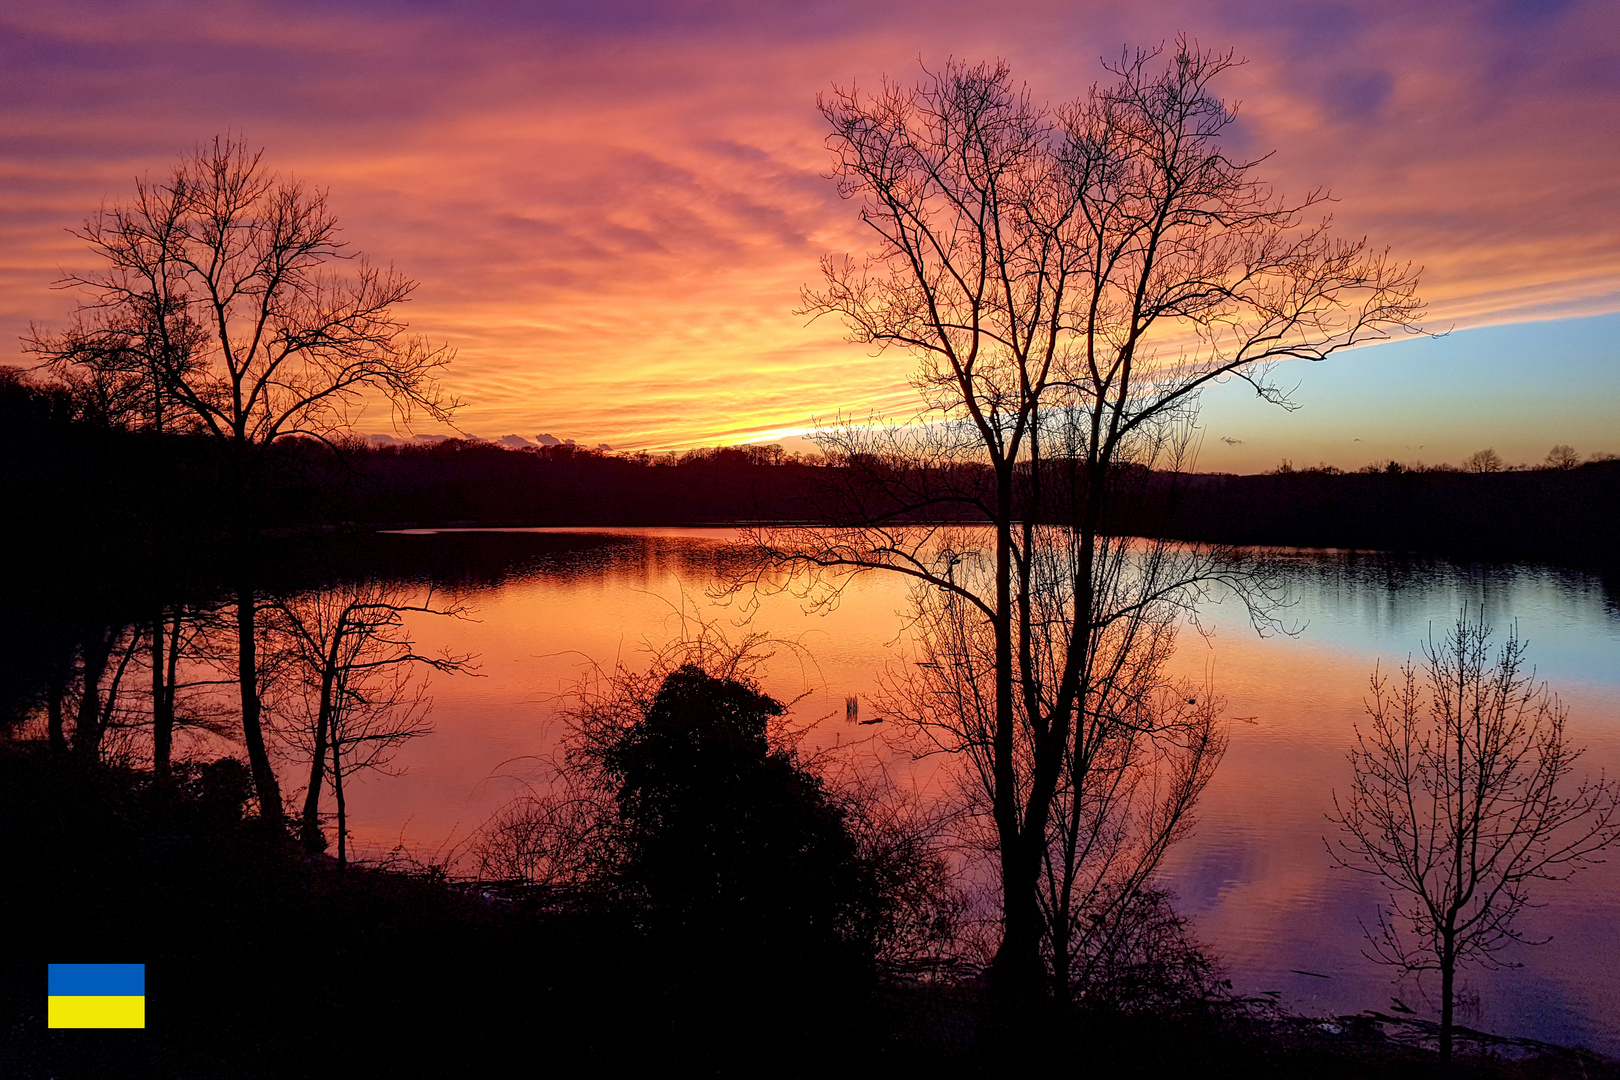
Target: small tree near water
x,y
347,665
1460,800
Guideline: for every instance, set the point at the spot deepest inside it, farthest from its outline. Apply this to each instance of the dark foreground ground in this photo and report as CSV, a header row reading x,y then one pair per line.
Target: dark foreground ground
x,y
264,963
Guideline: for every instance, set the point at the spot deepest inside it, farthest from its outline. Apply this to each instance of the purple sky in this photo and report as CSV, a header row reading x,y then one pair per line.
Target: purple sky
x,y
610,208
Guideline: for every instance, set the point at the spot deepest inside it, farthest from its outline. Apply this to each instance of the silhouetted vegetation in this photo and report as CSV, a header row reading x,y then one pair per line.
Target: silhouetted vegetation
x,y
105,857
401,970
733,852
683,800
75,484
345,670
1462,798
217,310
741,876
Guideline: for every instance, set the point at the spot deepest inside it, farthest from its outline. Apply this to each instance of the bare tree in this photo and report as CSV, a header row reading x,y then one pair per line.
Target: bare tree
x,y
219,289
559,837
345,674
164,667
1483,461
122,359
1459,802
169,701
1070,280
1562,456
196,651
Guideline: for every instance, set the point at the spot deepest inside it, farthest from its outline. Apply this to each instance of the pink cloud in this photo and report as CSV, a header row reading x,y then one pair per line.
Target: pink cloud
x,y
611,214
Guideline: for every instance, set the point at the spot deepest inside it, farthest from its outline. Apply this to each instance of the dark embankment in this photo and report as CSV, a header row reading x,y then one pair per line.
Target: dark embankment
x,y
264,963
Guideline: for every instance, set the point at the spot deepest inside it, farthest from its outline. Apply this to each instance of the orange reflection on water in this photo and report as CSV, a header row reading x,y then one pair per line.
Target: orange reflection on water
x,y
538,638
1261,888
1255,877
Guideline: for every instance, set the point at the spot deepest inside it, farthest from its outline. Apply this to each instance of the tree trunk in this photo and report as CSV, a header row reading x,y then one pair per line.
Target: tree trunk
x,y
1062,968
162,699
53,715
1448,971
111,700
1017,976
342,816
265,786
87,727
310,827
169,695
162,703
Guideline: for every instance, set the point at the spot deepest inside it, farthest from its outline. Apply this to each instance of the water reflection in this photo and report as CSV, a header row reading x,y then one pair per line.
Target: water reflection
x,y
491,558
1255,877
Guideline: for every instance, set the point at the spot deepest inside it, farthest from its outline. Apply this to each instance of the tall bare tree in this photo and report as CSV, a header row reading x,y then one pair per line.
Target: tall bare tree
x,y
1069,279
224,282
1460,800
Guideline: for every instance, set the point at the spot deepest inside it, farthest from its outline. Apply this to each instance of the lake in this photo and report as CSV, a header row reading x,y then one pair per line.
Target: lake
x,y
1255,877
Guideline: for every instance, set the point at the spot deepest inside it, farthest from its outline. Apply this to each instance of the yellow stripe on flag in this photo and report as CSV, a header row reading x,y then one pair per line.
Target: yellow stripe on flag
x,y
95,1012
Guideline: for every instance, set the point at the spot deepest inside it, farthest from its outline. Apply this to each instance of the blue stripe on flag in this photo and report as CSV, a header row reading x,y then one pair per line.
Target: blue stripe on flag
x,y
97,980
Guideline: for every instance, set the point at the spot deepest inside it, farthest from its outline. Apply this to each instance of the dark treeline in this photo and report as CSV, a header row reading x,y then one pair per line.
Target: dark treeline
x,y
72,475
76,483
1542,515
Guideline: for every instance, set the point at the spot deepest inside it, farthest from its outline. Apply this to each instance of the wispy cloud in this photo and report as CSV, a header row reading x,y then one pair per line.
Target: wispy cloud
x,y
611,208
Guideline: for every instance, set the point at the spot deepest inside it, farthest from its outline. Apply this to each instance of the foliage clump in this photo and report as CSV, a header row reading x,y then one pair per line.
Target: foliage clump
x,y
732,851
686,806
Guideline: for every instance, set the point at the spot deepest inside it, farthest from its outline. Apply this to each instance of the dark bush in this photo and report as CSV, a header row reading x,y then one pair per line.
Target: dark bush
x,y
738,864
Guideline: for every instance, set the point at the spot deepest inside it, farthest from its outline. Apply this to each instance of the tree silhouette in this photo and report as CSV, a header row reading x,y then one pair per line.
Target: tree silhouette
x,y
683,793
1069,279
220,297
734,852
1562,456
1459,802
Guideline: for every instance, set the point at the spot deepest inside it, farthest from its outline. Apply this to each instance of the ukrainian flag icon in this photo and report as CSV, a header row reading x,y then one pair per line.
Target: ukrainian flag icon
x,y
96,996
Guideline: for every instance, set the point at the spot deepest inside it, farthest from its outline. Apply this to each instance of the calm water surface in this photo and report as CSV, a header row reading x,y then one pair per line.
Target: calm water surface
x,y
1255,877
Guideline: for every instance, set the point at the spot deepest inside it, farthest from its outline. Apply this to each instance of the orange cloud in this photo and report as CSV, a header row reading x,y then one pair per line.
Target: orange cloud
x,y
611,211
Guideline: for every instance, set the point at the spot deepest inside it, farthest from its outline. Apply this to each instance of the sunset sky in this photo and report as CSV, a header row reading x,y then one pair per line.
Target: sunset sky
x,y
610,207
